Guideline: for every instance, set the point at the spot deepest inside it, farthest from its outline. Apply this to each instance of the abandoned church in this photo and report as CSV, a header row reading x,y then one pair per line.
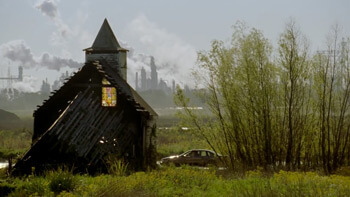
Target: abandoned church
x,y
94,115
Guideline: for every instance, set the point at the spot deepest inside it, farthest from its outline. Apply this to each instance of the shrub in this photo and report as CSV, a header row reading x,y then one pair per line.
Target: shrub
x,y
343,171
116,166
6,188
38,186
62,180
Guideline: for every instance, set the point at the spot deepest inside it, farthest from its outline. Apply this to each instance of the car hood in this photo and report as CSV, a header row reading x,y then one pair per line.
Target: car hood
x,y
171,157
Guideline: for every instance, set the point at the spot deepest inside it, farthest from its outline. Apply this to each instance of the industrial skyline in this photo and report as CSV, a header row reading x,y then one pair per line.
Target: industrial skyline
x,y
63,28
152,83
6,82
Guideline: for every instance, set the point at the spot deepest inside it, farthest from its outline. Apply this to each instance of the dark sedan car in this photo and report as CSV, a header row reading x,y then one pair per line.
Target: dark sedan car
x,y
198,157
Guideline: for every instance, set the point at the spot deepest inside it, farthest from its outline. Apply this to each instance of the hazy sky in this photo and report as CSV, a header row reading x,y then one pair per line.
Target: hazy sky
x,y
47,35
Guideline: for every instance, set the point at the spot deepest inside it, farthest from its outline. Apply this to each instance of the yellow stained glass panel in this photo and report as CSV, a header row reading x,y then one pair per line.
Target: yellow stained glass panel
x,y
109,97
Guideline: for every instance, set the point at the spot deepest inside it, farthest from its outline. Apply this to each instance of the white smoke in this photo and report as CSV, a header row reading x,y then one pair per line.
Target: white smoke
x,y
174,58
135,62
55,63
65,36
29,84
48,8
18,52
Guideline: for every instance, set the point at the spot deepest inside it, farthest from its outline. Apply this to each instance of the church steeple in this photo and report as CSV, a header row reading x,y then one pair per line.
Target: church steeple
x,y
106,47
105,39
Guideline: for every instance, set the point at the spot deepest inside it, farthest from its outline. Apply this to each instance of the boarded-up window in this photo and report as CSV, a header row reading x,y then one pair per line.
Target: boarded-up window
x,y
109,94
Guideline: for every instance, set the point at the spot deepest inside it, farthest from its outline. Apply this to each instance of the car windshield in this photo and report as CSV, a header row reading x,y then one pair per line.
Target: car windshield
x,y
185,154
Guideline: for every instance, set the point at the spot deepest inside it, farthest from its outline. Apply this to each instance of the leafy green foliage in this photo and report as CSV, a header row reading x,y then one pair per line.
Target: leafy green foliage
x,y
289,112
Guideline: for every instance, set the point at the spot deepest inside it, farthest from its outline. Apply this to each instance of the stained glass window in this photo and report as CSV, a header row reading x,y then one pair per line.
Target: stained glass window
x,y
109,95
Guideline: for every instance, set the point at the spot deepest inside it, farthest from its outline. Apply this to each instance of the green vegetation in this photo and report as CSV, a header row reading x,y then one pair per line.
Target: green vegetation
x,y
175,140
116,166
171,181
287,109
183,181
13,144
287,112
59,181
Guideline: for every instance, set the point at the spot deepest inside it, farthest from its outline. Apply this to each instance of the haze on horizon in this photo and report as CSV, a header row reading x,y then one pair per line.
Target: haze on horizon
x,y
47,36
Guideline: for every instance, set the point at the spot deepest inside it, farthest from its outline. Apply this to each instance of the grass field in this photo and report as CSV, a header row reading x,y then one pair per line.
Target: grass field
x,y
169,181
183,181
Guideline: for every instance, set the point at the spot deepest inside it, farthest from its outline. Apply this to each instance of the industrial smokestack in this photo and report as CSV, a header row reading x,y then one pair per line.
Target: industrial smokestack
x,y
20,73
137,82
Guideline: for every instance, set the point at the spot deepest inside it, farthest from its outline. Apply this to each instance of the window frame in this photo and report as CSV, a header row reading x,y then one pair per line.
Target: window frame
x,y
105,91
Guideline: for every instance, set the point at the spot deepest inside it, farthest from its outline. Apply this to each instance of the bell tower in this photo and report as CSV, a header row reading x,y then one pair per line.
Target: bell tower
x,y
107,48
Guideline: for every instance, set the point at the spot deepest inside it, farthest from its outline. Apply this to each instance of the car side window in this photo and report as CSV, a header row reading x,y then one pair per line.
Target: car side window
x,y
203,153
210,154
195,154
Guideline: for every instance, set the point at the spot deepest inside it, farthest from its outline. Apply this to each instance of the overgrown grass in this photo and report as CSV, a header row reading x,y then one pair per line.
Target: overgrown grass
x,y
175,141
171,181
183,181
15,139
13,144
116,166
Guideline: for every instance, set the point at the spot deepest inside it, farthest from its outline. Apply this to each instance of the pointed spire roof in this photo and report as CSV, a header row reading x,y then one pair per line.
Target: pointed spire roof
x,y
105,40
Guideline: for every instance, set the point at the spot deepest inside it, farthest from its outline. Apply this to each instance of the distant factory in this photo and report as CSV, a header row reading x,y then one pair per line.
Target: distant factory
x,y
46,88
10,79
145,83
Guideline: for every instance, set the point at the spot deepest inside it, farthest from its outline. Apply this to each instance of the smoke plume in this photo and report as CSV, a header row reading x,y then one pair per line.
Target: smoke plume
x,y
65,36
18,52
174,58
27,85
48,8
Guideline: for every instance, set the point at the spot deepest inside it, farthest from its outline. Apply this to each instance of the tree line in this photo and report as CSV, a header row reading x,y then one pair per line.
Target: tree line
x,y
282,107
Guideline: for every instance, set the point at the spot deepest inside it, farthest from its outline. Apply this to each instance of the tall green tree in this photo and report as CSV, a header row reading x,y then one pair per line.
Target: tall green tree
x,y
332,85
295,88
240,80
289,112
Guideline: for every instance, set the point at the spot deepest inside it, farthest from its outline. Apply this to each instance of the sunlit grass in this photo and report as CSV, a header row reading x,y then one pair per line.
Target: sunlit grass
x,y
186,181
175,141
171,181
